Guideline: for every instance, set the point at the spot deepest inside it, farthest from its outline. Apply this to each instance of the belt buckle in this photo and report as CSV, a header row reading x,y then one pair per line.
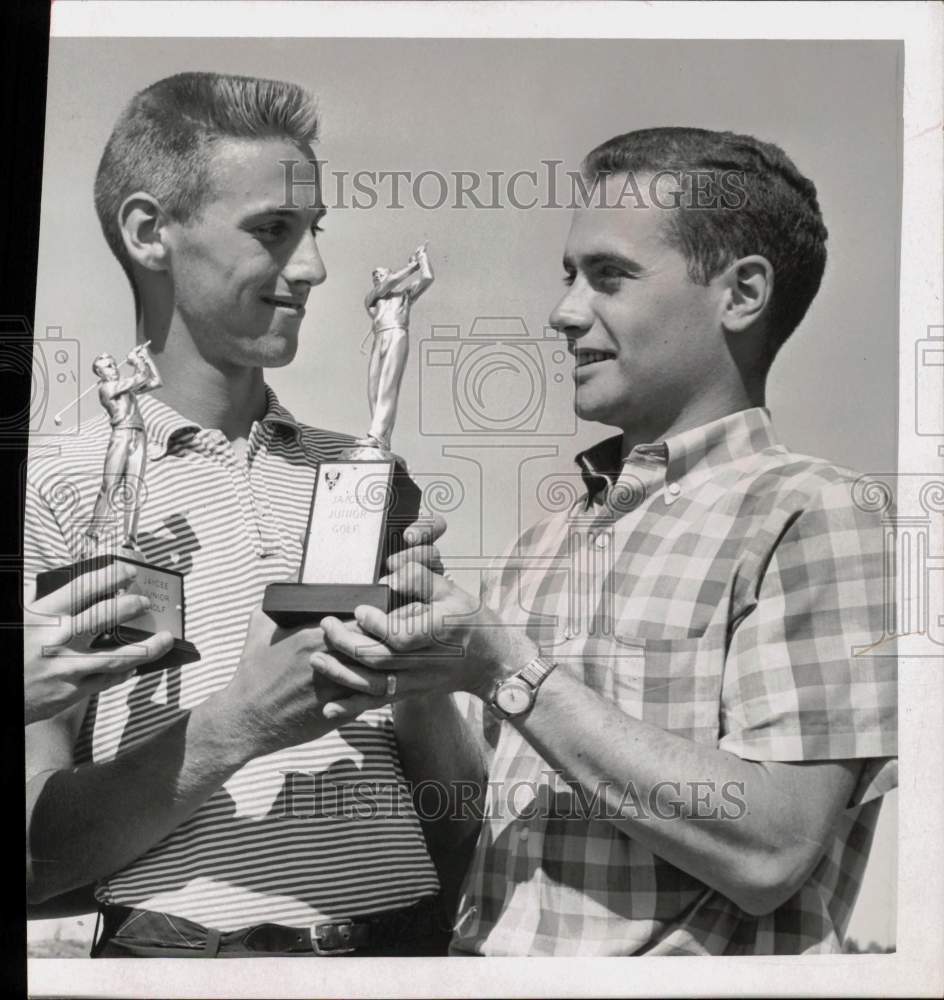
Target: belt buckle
x,y
333,938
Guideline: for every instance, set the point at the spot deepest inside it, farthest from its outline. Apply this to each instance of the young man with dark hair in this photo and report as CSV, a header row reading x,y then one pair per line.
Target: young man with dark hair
x,y
202,801
685,737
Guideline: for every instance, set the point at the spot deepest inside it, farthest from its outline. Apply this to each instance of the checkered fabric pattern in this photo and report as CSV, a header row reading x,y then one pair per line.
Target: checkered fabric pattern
x,y
727,590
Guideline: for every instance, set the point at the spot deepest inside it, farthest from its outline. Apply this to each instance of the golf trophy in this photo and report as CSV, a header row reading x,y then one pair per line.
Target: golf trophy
x,y
363,502
111,534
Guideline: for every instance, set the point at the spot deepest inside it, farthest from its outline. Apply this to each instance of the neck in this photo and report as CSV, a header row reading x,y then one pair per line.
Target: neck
x,y
736,380
229,398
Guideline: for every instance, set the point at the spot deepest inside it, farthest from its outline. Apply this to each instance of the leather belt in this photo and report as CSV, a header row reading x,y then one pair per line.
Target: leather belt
x,y
334,937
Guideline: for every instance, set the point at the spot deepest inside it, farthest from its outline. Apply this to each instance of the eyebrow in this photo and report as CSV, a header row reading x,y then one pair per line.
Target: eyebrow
x,y
282,212
595,260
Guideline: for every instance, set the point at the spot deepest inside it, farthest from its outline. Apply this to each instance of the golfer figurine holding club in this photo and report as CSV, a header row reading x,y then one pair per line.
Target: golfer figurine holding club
x,y
111,594
388,305
123,474
119,498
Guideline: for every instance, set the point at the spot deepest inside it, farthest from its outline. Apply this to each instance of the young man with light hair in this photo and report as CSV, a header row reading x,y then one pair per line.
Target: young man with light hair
x,y
198,799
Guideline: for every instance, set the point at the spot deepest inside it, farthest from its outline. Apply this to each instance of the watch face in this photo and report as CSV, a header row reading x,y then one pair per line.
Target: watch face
x,y
513,697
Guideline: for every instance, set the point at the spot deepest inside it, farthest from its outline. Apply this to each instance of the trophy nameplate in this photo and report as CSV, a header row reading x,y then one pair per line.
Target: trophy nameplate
x,y
359,511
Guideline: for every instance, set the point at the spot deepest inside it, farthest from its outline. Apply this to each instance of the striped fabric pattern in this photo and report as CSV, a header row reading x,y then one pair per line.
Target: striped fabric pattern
x,y
318,831
718,586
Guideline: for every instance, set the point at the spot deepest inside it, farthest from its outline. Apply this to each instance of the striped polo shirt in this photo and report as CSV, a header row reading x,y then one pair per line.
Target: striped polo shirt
x,y
323,830
730,592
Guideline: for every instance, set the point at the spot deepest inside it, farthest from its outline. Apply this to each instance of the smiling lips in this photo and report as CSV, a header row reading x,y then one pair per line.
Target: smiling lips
x,y
584,357
285,302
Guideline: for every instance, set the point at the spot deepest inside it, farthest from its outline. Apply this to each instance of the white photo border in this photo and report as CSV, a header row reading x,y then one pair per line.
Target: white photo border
x,y
917,967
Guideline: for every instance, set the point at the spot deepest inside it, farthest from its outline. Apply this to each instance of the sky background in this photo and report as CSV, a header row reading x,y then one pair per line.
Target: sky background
x,y
506,105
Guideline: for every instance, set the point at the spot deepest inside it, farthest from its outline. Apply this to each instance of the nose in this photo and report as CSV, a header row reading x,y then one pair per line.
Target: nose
x,y
572,316
305,264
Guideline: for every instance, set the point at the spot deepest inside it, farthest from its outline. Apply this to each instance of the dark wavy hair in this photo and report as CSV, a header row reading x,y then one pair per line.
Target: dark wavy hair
x,y
775,213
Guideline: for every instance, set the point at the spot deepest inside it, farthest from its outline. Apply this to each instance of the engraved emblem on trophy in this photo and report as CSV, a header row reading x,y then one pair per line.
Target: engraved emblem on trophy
x,y
111,533
363,502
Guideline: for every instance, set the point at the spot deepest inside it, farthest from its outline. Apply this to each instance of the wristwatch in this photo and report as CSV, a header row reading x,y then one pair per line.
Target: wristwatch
x,y
515,696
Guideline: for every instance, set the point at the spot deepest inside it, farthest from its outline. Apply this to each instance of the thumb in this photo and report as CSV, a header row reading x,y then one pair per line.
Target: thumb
x,y
342,709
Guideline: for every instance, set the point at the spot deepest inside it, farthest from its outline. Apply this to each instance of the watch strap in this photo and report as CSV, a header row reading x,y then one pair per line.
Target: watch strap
x,y
536,671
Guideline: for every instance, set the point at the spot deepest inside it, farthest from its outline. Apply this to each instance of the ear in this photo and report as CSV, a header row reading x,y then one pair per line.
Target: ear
x,y
142,228
749,285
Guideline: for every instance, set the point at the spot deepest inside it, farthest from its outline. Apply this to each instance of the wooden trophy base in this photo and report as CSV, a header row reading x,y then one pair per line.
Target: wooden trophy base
x,y
293,604
157,583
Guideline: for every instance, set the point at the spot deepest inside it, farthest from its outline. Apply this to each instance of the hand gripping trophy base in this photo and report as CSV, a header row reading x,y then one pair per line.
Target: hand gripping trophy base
x,y
166,584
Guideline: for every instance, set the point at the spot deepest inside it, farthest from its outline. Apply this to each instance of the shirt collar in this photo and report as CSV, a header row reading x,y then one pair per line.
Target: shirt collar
x,y
704,448
165,426
600,465
278,417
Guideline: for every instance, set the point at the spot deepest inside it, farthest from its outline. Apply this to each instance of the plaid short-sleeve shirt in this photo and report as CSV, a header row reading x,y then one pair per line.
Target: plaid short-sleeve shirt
x,y
731,592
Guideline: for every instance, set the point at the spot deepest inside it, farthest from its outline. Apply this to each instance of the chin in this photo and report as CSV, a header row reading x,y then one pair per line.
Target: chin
x,y
594,410
276,351
280,360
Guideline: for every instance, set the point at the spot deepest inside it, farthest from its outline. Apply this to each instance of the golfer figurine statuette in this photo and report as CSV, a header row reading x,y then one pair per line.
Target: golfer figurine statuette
x,y
111,534
388,304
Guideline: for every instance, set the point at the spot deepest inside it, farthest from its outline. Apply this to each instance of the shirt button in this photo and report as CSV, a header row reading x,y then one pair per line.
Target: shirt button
x,y
567,634
523,833
600,541
154,451
675,489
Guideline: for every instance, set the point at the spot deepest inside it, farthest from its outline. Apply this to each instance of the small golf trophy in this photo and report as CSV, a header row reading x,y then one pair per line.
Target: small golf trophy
x,y
363,502
111,534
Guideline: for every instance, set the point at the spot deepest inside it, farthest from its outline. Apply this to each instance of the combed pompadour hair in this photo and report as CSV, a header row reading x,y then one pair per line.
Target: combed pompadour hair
x,y
163,141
